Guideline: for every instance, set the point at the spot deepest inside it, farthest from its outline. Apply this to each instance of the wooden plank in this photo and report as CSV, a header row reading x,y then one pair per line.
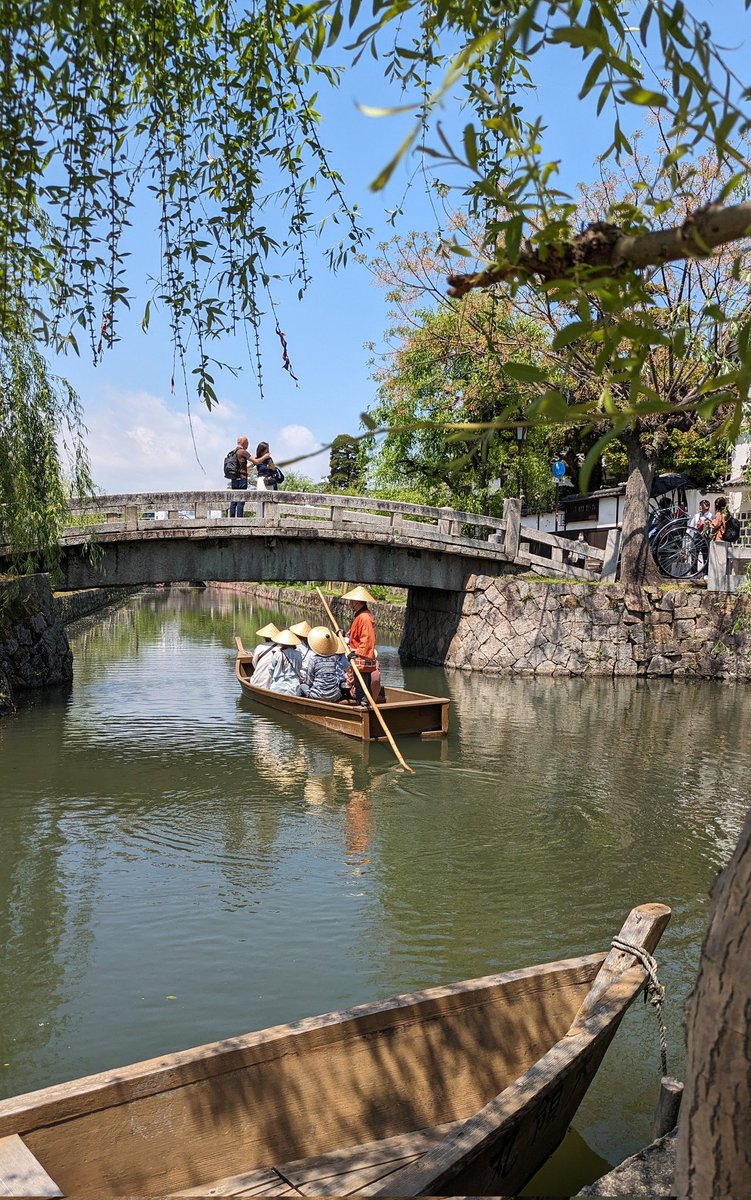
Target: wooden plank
x,y
262,1182
351,1159
345,1172
20,1173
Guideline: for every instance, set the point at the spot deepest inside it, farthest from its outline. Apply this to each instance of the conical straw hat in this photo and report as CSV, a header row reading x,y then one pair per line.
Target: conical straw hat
x,y
359,593
301,629
286,638
268,631
323,641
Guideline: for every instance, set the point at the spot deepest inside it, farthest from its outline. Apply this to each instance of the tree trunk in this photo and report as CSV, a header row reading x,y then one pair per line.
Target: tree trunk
x,y
714,1133
637,564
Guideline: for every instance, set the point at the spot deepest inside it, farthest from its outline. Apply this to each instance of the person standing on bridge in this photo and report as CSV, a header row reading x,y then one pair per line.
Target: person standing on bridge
x,y
240,480
265,467
362,640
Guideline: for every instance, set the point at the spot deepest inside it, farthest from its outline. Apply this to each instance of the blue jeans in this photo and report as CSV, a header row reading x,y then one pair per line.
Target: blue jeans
x,y
237,507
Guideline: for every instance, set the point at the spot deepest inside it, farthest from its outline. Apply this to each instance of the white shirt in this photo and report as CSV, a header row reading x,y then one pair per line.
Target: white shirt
x,y
263,661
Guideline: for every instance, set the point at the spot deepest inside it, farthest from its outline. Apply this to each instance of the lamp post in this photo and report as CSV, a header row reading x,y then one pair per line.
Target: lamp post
x,y
521,437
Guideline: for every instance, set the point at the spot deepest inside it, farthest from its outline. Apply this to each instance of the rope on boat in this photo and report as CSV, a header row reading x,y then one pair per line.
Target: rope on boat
x,y
654,992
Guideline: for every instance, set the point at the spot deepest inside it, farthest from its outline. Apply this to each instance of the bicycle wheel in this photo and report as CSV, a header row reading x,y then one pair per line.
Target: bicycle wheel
x,y
677,552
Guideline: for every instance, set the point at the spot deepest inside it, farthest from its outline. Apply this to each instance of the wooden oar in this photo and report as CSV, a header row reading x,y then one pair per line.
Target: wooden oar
x,y
371,701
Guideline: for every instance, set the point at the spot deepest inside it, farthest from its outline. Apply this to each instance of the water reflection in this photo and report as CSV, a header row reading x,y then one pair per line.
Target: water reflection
x,y
178,864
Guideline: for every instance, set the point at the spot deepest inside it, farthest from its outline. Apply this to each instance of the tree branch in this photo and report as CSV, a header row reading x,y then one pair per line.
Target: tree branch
x,y
606,250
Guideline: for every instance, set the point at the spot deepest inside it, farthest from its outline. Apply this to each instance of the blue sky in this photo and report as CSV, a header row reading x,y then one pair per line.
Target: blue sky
x,y
139,434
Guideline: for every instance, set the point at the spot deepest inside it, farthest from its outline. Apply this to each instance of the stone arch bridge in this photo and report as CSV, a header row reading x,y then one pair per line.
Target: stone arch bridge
x,y
121,540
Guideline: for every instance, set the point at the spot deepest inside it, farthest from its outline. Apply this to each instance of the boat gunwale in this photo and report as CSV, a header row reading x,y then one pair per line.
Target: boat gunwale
x,y
107,1089
438,1166
338,707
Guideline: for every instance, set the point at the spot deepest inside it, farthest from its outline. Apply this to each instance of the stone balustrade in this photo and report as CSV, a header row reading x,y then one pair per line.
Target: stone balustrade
x,y
360,518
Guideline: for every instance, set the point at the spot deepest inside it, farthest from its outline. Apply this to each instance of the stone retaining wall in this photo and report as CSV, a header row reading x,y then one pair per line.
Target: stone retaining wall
x,y
34,650
389,618
72,606
523,628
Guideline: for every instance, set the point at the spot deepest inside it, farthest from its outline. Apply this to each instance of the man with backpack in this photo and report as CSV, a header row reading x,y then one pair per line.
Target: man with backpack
x,y
236,470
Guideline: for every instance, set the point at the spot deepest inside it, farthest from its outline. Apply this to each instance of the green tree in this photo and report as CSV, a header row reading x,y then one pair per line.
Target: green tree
x,y
442,377
295,481
677,365
345,464
213,110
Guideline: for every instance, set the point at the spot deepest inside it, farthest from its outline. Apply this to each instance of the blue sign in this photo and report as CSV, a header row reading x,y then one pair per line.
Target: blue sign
x,y
559,468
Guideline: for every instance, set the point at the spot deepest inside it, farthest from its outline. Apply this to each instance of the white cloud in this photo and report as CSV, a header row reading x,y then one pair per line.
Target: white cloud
x,y
137,443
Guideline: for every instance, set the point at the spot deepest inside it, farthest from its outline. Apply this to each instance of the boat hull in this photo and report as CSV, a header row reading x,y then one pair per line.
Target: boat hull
x,y
405,713
486,1074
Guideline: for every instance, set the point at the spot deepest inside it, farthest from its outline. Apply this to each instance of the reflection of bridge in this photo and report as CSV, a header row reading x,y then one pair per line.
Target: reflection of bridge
x,y
167,537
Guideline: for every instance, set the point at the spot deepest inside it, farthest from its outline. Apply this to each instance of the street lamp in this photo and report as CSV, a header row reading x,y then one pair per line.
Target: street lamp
x,y
521,437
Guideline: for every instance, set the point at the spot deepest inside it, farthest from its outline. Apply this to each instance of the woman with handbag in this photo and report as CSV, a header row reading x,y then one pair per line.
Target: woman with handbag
x,y
269,475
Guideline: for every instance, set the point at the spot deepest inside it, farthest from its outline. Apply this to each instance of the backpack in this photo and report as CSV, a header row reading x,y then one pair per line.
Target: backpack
x,y
732,530
231,465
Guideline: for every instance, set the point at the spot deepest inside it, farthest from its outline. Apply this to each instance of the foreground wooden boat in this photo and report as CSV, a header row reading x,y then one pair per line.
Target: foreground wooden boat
x,y
454,1090
404,712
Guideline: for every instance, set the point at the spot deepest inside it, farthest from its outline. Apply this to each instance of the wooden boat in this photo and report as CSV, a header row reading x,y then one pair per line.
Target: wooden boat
x,y
404,712
456,1090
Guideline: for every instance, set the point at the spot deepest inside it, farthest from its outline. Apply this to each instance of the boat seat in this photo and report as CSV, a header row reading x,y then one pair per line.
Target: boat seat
x,y
337,1173
20,1173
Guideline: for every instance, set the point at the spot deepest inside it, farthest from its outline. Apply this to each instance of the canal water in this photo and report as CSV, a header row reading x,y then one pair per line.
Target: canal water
x,y
177,865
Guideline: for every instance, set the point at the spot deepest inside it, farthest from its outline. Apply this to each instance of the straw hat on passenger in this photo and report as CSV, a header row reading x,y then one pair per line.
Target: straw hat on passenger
x,y
301,629
268,631
360,594
286,638
323,641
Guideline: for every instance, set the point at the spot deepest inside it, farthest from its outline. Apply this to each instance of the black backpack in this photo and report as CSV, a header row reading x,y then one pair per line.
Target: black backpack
x,y
231,465
732,530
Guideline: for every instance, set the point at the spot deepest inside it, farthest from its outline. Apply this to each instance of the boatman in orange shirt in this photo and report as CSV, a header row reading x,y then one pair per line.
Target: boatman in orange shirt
x,y
362,643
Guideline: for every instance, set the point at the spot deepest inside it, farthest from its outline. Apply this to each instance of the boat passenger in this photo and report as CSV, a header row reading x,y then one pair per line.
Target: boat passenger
x,y
301,630
262,656
320,680
361,637
286,664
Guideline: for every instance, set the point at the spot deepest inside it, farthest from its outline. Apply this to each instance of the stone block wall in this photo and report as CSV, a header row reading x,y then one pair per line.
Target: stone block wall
x,y
504,626
34,650
73,606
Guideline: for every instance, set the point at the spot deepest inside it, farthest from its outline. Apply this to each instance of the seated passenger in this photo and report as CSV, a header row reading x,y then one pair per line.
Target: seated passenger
x,y
262,659
301,630
320,677
286,664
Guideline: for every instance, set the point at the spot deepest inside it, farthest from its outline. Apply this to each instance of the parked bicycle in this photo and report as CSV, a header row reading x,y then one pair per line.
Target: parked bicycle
x,y
679,551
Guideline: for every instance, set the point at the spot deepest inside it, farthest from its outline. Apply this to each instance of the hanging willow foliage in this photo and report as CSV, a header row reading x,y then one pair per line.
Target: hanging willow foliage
x,y
210,109
43,462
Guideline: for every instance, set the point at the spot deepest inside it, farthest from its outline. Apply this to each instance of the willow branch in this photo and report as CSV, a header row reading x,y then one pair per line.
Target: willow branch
x,y
604,249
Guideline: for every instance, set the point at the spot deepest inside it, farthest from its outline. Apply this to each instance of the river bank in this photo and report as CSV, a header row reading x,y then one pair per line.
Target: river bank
x,y
511,626
34,648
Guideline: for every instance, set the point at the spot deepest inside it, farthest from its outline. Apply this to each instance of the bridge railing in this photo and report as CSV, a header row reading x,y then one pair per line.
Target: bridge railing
x,y
144,511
